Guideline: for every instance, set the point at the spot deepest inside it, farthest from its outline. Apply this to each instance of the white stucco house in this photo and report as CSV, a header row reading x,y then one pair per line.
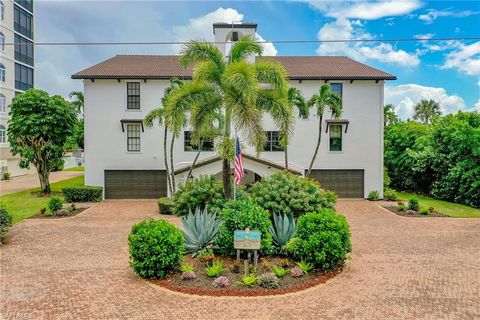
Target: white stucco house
x,y
127,159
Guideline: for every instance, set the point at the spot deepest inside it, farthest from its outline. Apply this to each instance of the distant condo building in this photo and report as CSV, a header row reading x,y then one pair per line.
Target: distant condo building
x,y
16,68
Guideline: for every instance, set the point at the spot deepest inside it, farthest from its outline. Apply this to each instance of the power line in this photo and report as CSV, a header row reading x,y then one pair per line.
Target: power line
x,y
260,42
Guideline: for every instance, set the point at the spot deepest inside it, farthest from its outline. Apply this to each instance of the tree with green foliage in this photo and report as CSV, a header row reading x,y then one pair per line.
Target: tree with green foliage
x,y
159,115
426,110
78,101
296,101
38,130
389,115
325,99
242,91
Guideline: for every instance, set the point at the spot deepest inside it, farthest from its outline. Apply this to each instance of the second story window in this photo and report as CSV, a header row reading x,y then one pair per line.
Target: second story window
x,y
133,137
2,73
133,95
273,141
23,77
23,50
337,88
2,42
3,134
23,22
205,144
335,137
3,103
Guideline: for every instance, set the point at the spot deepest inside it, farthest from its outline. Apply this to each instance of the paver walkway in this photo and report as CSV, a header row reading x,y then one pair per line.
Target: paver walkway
x,y
30,181
77,268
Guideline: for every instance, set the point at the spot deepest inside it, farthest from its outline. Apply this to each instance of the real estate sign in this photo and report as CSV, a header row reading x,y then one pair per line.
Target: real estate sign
x,y
247,239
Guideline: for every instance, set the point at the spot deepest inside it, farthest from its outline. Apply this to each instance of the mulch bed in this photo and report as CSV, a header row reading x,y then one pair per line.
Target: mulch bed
x,y
202,284
417,214
70,214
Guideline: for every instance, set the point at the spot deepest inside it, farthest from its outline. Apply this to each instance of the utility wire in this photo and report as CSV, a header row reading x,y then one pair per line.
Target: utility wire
x,y
260,42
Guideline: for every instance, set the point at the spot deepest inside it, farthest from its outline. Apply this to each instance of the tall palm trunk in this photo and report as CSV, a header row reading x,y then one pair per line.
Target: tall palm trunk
x,y
317,147
200,145
286,157
167,170
227,185
172,169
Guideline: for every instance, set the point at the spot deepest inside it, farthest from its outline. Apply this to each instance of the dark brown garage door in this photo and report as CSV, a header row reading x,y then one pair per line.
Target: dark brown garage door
x,y
135,184
345,183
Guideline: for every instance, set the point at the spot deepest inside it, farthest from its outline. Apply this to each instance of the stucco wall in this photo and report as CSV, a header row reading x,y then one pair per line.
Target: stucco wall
x,y
105,143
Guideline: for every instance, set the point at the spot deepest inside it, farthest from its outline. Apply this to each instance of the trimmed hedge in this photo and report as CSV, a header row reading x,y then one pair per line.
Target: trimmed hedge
x,y
322,239
83,194
6,221
201,192
156,247
165,205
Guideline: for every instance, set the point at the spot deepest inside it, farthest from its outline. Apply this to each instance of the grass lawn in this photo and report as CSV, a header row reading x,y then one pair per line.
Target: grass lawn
x,y
24,204
75,169
444,207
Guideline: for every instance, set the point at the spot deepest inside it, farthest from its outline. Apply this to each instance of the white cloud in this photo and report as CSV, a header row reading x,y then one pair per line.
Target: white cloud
x,y
424,35
343,28
433,14
268,48
465,59
405,96
366,10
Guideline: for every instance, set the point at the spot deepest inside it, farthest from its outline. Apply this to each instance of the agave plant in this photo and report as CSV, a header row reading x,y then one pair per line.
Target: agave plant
x,y
200,229
282,229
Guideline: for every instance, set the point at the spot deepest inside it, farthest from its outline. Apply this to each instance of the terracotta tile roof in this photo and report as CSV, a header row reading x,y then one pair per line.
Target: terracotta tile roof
x,y
165,67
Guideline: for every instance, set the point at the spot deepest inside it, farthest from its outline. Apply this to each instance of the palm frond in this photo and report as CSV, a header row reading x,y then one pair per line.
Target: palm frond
x,y
200,51
240,82
296,99
272,73
280,110
207,71
157,114
244,47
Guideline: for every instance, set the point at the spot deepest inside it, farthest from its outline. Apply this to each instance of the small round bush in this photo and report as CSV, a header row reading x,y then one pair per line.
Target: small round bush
x,y
156,247
165,205
287,193
322,239
55,203
373,196
201,192
413,204
390,195
6,221
239,215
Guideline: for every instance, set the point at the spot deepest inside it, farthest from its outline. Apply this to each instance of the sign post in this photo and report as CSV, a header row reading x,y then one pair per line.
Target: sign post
x,y
247,240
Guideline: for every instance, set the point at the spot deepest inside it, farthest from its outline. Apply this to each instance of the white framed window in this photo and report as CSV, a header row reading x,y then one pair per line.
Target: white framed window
x,y
133,137
2,73
133,95
3,134
3,103
2,11
2,42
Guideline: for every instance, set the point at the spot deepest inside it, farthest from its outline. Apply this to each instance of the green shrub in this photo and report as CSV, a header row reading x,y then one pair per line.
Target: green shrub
x,y
156,247
6,221
322,239
83,194
165,205
390,195
413,204
248,280
279,271
239,215
55,203
401,207
373,196
215,269
205,191
268,280
306,267
424,212
6,175
290,194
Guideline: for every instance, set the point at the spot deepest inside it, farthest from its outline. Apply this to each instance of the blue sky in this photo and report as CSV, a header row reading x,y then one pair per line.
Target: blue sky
x,y
448,72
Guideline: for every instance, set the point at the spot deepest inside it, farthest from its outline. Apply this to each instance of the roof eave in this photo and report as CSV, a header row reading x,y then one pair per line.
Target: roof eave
x,y
109,77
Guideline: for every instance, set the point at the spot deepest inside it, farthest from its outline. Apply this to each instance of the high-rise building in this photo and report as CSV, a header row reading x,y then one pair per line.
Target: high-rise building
x,y
16,67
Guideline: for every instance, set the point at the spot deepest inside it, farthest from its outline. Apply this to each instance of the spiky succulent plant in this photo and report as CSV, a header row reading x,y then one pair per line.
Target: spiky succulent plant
x,y
296,272
268,280
282,229
200,229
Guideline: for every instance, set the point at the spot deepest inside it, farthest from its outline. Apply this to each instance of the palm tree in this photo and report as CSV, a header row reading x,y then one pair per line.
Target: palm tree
x,y
325,99
389,115
78,101
159,115
425,110
243,91
296,100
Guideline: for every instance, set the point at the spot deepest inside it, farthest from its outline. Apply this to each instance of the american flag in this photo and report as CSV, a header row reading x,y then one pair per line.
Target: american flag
x,y
238,163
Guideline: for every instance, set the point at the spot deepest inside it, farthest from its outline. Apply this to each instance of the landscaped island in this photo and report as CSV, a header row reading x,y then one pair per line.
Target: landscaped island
x,y
302,242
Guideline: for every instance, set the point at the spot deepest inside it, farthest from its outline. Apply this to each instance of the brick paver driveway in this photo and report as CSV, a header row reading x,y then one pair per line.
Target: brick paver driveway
x,y
30,181
77,268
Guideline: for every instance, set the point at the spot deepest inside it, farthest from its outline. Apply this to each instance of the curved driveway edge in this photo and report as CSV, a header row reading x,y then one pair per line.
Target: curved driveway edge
x,y
77,268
